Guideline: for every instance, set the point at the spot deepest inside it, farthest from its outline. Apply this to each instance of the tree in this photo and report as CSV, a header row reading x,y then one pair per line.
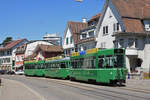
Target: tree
x,y
7,40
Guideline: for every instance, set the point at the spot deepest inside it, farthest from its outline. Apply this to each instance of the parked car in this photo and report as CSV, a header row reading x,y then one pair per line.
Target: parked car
x,y
11,72
19,72
2,71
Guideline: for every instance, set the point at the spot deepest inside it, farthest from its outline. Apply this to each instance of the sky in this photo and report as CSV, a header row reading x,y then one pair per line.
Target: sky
x,y
32,19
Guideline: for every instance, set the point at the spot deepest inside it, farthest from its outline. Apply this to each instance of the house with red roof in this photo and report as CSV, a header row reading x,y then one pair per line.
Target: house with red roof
x,y
19,57
71,36
7,54
126,24
87,35
41,52
32,45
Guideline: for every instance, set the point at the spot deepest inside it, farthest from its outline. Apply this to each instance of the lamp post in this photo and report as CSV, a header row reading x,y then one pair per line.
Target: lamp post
x,y
78,0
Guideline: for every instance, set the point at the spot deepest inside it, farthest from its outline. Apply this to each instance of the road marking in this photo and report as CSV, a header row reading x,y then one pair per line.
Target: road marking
x,y
31,90
135,89
70,83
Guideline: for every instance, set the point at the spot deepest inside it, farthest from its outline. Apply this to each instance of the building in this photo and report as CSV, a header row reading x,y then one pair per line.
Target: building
x,y
45,51
54,38
19,57
32,45
87,35
7,54
71,36
126,24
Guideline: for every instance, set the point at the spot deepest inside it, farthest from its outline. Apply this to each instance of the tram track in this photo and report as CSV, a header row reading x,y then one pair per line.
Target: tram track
x,y
99,91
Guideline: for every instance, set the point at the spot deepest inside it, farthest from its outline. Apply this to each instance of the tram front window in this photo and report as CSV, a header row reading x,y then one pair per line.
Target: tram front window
x,y
119,61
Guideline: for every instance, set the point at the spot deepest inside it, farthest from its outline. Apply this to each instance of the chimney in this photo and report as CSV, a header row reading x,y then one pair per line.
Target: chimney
x,y
84,20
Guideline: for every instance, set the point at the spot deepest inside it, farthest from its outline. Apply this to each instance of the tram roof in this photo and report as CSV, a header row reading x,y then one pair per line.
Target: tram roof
x,y
66,58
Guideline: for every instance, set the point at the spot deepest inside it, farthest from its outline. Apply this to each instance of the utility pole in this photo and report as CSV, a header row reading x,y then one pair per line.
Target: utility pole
x,y
79,0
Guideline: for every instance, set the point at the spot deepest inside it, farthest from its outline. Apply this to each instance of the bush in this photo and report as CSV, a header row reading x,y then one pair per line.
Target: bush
x,y
147,75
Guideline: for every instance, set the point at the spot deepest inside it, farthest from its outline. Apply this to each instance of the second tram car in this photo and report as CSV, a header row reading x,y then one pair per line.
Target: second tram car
x,y
57,68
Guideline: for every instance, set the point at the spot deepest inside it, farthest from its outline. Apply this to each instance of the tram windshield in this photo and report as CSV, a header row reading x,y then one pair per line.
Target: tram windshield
x,y
110,61
119,61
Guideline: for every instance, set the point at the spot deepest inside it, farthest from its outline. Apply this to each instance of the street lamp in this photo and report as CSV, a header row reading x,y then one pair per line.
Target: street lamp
x,y
78,0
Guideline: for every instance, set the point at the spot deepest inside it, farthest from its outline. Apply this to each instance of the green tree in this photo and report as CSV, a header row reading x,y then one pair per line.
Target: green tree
x,y
7,40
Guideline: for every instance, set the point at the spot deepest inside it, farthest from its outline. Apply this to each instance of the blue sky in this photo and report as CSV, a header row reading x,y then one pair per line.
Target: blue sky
x,y
31,19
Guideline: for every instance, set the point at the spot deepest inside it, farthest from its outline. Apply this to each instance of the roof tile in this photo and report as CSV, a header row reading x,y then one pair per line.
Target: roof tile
x,y
132,25
76,27
11,44
132,8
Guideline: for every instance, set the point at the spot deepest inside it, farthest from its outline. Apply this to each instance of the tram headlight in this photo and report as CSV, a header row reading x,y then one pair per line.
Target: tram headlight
x,y
110,73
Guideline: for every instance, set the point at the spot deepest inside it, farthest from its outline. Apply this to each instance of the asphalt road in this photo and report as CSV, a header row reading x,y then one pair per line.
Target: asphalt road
x,y
54,89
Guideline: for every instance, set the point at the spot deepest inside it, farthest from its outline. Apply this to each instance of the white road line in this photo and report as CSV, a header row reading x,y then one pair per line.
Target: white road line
x,y
31,90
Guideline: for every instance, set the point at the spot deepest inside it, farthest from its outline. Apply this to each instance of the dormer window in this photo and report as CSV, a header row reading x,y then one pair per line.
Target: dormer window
x,y
91,34
147,25
83,36
92,23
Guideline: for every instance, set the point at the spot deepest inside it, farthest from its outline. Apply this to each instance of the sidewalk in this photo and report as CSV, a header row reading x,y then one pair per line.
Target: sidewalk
x,y
12,90
138,84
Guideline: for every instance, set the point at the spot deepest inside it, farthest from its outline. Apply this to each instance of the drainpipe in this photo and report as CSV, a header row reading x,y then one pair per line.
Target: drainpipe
x,y
149,71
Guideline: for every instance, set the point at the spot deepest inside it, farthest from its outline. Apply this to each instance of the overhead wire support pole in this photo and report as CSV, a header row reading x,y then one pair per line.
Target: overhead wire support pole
x,y
79,0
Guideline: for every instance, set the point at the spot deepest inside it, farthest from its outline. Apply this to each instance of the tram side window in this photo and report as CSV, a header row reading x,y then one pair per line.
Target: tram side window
x,y
42,66
26,66
57,65
38,66
110,61
63,65
93,61
47,65
81,62
85,63
74,64
101,62
50,65
67,64
30,66
119,61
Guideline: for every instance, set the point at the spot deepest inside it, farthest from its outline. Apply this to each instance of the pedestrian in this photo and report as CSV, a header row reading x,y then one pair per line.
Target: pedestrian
x,y
0,81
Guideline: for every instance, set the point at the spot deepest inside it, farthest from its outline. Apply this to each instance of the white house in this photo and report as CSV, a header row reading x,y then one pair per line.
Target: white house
x,y
126,24
87,35
31,46
71,36
7,54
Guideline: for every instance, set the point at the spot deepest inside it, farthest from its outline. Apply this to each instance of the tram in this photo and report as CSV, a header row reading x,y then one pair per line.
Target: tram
x,y
105,66
29,68
93,65
57,67
34,68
